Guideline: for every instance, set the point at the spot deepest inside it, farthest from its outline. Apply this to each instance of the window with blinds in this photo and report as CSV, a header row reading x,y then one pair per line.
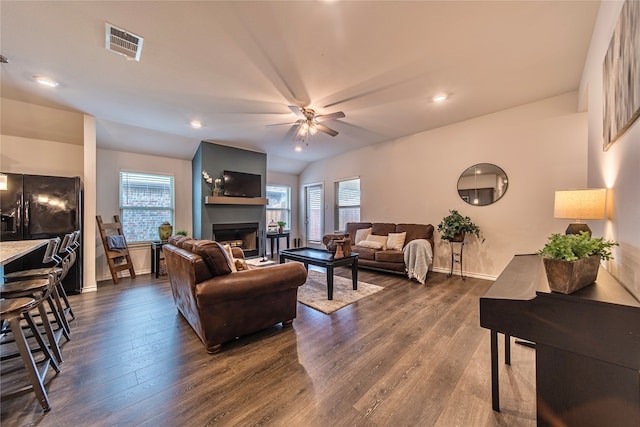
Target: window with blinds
x,y
279,207
146,201
347,203
314,217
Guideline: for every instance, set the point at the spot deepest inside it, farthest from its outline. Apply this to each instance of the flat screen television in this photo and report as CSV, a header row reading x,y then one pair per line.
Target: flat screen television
x,y
240,184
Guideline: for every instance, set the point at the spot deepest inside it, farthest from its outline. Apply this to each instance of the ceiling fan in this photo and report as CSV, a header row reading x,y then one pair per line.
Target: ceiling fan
x,y
309,124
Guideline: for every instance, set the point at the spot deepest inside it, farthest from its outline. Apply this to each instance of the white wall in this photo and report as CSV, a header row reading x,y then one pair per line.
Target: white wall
x,y
109,164
40,157
618,168
541,147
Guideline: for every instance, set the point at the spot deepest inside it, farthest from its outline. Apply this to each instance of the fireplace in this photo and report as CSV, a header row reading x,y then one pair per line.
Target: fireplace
x,y
242,235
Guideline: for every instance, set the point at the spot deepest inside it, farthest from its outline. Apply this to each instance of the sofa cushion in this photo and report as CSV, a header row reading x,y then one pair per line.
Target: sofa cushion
x,y
353,227
364,253
362,234
382,228
176,239
415,231
214,256
370,244
396,240
390,256
379,239
187,244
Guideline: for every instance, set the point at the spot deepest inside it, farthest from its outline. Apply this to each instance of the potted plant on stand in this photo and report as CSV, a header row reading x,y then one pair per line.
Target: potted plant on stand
x,y
281,225
454,227
571,261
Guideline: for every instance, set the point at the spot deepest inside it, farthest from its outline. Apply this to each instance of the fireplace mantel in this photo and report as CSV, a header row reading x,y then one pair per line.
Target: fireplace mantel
x,y
225,200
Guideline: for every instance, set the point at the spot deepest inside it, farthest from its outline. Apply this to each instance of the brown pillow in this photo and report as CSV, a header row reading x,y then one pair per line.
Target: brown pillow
x,y
214,256
187,244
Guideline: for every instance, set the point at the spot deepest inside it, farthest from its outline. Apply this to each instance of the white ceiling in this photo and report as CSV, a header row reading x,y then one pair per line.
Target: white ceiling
x,y
236,66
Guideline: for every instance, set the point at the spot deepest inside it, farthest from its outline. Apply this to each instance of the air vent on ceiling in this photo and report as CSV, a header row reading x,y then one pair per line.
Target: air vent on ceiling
x,y
123,42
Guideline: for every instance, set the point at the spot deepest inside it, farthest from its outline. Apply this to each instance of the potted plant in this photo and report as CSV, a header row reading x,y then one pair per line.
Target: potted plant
x,y
571,261
281,225
454,227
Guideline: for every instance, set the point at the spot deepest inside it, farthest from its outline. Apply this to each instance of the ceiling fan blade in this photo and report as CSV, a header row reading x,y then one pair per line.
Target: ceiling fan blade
x,y
332,116
282,124
297,111
328,131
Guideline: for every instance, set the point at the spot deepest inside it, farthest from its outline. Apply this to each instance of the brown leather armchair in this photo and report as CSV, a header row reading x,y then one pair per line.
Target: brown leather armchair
x,y
221,305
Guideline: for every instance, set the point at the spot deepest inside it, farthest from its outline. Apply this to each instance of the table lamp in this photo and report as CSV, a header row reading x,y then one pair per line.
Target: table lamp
x,y
580,205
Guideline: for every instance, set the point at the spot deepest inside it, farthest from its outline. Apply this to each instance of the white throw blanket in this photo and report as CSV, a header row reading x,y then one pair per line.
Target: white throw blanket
x,y
417,259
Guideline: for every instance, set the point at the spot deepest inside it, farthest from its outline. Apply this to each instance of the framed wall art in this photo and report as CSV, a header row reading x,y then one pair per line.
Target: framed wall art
x,y
621,75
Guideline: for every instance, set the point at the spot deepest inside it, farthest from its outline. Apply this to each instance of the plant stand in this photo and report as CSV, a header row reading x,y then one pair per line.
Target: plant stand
x,y
456,257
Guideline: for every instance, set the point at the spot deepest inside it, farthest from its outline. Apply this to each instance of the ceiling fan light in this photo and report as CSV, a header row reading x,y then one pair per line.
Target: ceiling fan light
x,y
45,81
439,98
313,130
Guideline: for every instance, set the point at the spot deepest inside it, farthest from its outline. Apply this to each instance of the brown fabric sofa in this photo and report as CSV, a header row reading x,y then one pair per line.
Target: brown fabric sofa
x,y
221,305
390,260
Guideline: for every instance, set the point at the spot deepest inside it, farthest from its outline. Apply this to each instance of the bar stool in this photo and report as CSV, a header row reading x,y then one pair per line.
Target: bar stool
x,y
12,311
42,290
64,258
50,256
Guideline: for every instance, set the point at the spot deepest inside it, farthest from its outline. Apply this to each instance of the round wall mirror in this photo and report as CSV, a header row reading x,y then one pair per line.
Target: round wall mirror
x,y
482,184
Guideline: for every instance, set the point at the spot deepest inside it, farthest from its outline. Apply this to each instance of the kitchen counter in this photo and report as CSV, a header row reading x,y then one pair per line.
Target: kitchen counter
x,y
12,250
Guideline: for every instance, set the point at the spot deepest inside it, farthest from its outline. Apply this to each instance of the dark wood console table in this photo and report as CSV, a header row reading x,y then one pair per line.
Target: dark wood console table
x,y
587,344
276,237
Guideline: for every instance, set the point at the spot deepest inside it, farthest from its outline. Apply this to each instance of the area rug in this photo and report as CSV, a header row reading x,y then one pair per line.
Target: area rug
x,y
314,292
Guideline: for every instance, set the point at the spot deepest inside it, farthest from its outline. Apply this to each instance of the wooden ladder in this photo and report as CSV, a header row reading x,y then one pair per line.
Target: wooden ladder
x,y
116,229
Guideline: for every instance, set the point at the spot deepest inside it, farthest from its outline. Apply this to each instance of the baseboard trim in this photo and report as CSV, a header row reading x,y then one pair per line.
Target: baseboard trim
x,y
466,273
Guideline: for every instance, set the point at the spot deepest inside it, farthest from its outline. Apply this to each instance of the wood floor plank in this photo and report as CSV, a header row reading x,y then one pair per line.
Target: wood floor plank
x,y
409,355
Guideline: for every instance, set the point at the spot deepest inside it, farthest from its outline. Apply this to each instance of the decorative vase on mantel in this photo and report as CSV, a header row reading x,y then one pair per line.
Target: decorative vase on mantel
x,y
165,231
217,188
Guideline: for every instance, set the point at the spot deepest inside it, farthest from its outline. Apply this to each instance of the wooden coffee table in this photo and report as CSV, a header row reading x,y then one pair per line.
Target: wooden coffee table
x,y
322,258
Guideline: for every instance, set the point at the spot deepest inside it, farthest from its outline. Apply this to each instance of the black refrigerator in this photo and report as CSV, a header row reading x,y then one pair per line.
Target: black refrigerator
x,y
41,207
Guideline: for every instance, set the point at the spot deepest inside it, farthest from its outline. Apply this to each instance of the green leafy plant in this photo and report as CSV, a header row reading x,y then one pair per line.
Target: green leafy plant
x,y
571,247
181,233
282,223
455,223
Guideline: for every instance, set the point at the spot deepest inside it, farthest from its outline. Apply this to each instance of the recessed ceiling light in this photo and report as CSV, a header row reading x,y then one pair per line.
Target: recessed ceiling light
x,y
439,98
195,124
298,148
45,81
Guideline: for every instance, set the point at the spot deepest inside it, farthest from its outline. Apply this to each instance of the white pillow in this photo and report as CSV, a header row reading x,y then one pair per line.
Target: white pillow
x,y
396,240
370,244
227,249
362,235
379,239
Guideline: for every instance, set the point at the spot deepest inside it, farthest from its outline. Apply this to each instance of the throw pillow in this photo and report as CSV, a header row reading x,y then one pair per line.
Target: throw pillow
x,y
362,234
227,248
396,240
241,264
214,255
370,244
379,239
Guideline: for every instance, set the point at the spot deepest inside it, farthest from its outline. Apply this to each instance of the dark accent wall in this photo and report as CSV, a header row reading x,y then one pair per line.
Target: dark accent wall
x,y
215,159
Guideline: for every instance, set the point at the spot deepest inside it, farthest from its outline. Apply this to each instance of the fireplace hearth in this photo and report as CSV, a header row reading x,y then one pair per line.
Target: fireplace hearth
x,y
243,235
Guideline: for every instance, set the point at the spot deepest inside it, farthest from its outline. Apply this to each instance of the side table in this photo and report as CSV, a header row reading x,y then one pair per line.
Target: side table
x,y
456,257
276,237
156,250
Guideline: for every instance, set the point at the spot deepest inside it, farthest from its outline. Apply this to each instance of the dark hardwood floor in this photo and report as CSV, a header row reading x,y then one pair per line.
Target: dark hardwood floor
x,y
411,355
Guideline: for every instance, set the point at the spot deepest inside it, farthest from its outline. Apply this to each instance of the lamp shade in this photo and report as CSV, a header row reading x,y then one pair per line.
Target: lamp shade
x,y
580,204
3,181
